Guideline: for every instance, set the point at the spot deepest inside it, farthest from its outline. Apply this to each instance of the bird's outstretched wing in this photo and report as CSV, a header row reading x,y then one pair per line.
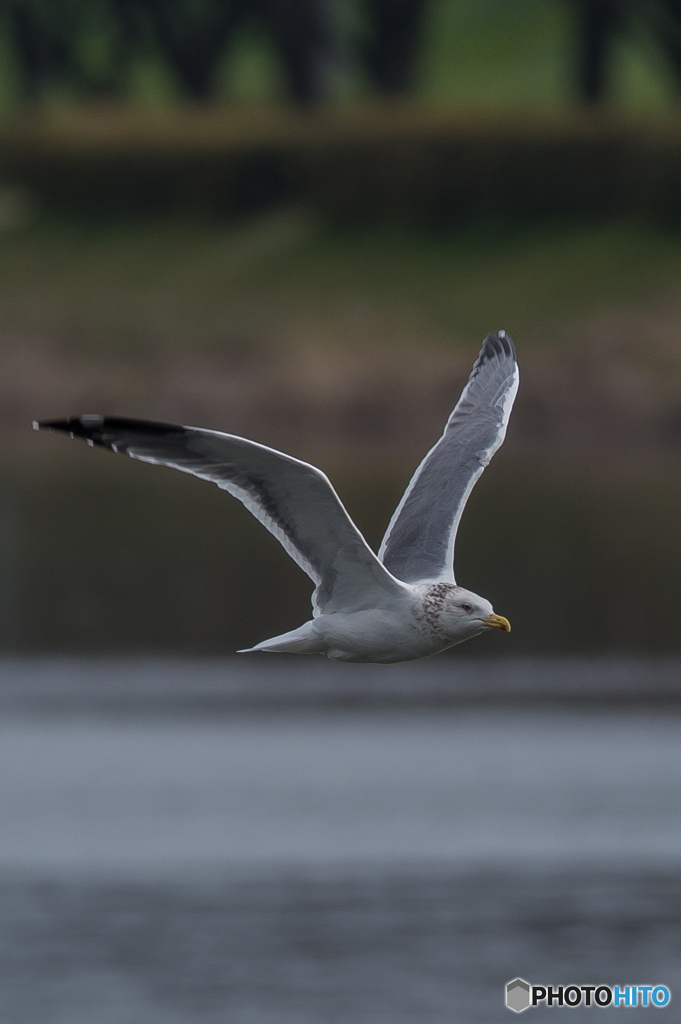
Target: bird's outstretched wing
x,y
419,542
293,499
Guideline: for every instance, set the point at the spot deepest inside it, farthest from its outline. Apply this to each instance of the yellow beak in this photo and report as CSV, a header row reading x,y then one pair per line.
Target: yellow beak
x,y
499,622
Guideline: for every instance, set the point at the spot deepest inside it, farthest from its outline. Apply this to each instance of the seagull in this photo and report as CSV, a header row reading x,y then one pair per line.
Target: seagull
x,y
399,605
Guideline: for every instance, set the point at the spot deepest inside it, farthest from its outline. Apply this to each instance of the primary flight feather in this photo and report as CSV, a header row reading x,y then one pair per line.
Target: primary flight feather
x,y
398,606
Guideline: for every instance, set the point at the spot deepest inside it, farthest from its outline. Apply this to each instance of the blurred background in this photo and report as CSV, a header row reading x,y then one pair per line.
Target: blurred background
x,y
297,221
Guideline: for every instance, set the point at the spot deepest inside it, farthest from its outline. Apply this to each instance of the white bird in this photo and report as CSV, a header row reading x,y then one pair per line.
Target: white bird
x,y
398,606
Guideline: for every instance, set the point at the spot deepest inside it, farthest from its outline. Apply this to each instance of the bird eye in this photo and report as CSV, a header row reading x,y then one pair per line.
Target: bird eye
x,y
467,607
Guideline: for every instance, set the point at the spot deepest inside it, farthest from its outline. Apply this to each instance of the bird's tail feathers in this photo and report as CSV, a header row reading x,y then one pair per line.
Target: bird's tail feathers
x,y
298,641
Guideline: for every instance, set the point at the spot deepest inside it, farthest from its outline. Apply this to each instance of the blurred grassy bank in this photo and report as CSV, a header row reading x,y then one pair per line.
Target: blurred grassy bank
x,y
151,286
332,342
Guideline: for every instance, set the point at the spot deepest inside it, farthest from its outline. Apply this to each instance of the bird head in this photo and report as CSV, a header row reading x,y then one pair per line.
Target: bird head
x,y
460,613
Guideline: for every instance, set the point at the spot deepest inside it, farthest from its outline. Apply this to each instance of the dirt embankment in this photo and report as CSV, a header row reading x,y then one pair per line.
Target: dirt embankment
x,y
611,394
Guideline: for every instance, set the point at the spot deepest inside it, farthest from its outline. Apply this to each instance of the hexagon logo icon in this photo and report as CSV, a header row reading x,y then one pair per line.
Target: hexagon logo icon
x,y
518,995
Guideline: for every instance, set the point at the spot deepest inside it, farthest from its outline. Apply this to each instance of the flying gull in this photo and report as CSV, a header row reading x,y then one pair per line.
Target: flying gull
x,y
398,606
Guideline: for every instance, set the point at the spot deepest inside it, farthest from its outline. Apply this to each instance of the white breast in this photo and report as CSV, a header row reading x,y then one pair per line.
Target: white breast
x,y
379,634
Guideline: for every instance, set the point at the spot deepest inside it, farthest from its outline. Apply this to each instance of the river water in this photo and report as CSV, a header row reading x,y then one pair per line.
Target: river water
x,y
284,841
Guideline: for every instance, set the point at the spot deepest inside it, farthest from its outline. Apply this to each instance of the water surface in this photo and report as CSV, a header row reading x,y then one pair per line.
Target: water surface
x,y
360,852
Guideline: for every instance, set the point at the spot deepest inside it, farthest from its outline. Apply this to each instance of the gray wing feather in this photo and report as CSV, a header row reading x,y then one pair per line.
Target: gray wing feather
x,y
419,542
293,499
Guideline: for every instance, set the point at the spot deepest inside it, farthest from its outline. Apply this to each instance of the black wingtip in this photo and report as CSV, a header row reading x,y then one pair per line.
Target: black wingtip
x,y
87,426
499,343
107,431
73,423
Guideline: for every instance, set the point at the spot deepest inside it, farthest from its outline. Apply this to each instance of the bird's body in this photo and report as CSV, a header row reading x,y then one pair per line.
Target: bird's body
x,y
399,605
418,623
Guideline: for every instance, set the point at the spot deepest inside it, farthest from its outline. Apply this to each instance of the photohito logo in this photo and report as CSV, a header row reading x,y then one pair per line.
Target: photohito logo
x,y
520,995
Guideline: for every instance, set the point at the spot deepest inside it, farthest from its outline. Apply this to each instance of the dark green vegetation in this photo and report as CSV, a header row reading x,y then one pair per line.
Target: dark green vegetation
x,y
480,122
401,165
480,52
